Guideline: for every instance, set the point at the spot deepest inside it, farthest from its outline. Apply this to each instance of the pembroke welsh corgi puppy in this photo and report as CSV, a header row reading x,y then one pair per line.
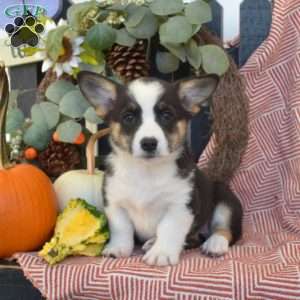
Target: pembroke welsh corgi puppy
x,y
153,189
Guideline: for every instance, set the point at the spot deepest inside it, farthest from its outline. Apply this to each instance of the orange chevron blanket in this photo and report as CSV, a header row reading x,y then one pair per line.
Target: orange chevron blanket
x,y
266,263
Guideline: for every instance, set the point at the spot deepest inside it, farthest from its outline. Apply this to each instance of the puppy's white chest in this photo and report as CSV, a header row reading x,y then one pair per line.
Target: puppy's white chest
x,y
145,193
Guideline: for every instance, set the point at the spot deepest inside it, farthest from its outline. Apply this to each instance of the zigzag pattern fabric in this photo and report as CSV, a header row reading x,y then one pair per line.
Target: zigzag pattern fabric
x,y
266,263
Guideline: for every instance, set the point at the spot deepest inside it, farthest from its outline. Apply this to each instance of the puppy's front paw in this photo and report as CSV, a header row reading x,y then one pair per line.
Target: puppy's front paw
x,y
161,257
215,245
117,249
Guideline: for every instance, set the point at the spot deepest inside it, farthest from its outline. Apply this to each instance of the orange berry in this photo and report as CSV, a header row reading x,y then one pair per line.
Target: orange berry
x,y
55,137
30,153
80,139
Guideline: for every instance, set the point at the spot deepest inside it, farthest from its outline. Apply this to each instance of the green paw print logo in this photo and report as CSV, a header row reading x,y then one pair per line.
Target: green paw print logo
x,y
24,31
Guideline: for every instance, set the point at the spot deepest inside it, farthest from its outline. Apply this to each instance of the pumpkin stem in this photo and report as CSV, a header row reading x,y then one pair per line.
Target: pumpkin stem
x,y
90,149
4,158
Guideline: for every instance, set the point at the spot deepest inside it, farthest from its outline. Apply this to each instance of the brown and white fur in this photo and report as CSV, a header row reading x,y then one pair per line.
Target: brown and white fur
x,y
153,189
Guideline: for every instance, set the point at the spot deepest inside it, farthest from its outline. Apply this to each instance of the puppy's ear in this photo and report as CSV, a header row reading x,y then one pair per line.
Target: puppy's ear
x,y
194,92
98,90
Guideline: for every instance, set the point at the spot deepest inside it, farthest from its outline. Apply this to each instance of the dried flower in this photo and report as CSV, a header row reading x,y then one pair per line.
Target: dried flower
x,y
115,18
69,59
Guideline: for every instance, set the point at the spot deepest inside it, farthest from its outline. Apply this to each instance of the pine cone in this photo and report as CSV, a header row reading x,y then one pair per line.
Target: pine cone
x,y
129,63
59,158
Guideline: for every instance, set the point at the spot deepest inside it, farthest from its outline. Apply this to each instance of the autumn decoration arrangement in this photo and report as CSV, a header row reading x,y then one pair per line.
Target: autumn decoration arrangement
x,y
123,40
29,204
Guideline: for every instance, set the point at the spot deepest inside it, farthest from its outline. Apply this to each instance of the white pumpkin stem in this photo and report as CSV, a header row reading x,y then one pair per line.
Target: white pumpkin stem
x,y
4,93
90,149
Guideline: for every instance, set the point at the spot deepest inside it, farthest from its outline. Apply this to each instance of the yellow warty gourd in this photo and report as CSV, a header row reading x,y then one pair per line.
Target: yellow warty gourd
x,y
80,230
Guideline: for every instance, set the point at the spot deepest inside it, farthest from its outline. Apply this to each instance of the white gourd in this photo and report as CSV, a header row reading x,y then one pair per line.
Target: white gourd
x,y
84,184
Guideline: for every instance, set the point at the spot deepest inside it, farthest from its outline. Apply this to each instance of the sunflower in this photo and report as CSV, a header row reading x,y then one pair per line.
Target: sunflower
x,y
70,54
69,58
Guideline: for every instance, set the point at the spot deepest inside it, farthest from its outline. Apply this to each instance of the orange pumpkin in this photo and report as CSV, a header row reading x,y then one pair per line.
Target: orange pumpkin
x,y
30,153
28,206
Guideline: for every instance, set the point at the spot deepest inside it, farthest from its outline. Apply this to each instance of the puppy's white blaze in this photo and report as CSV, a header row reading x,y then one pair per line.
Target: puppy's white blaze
x,y
150,128
147,95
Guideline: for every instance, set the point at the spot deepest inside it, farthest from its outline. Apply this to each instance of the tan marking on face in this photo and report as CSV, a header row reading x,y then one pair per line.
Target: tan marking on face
x,y
177,137
195,109
225,233
117,136
100,111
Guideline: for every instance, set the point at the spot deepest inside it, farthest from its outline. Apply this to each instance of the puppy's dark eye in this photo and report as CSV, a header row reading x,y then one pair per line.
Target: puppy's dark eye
x,y
128,118
166,116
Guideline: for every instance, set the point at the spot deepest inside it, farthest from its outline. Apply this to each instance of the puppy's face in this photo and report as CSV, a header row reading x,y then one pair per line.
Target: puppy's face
x,y
148,118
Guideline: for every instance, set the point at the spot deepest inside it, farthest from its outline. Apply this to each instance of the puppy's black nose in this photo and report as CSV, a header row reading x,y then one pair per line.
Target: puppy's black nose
x,y
149,144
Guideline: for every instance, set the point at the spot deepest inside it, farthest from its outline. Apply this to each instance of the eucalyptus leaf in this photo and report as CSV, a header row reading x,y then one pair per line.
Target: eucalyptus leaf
x,y
166,7
45,113
92,68
88,59
146,29
198,12
124,38
136,16
214,60
91,116
166,62
194,55
37,136
54,41
14,120
177,50
118,7
90,53
58,89
73,104
196,29
130,9
176,30
101,36
68,131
